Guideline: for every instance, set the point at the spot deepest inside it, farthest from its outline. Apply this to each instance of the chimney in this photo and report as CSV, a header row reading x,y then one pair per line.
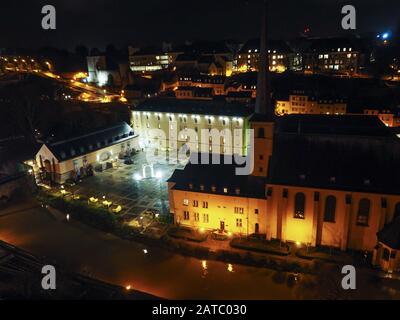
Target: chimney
x,y
263,97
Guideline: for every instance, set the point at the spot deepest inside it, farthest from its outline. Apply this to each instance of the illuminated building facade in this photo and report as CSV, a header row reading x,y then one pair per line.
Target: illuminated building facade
x,y
386,116
196,93
106,71
301,102
281,57
150,59
70,159
176,118
217,83
334,55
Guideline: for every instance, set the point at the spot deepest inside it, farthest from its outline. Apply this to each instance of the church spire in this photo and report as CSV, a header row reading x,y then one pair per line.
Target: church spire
x,y
263,97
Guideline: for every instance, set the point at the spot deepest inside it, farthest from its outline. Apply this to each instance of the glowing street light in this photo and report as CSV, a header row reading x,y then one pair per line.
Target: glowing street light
x,y
128,287
230,267
145,251
158,174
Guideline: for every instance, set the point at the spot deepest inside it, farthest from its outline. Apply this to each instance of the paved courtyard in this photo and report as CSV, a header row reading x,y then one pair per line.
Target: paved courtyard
x,y
135,189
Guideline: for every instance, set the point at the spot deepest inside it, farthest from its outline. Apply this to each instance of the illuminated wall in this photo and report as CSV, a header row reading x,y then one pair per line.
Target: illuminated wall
x,y
277,218
64,169
144,121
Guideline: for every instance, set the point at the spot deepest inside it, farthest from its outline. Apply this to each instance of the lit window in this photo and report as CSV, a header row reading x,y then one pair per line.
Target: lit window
x,y
239,210
185,202
299,205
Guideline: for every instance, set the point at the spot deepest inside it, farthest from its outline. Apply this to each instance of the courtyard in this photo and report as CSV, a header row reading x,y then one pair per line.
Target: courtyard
x,y
137,188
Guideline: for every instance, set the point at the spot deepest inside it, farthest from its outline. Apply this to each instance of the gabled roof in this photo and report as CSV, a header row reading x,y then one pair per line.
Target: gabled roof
x,y
214,178
354,153
90,142
390,234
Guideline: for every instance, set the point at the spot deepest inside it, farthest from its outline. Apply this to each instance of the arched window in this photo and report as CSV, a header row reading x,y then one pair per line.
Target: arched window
x,y
363,212
396,211
330,209
260,133
299,205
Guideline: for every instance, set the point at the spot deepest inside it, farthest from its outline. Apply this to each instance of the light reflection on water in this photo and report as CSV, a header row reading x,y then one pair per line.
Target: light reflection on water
x,y
122,262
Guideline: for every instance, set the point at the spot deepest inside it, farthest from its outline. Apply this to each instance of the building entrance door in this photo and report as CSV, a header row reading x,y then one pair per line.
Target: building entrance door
x,y
222,226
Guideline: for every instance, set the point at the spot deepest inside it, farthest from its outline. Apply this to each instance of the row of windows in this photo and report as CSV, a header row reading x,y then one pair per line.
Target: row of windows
x,y
363,212
186,216
195,204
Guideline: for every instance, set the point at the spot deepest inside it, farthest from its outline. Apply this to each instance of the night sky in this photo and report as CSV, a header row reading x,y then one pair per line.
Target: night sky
x,y
121,22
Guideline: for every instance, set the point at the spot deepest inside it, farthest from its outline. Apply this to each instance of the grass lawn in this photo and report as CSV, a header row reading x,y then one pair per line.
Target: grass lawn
x,y
261,245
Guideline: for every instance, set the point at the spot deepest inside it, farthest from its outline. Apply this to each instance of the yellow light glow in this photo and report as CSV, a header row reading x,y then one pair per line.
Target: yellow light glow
x,y
202,230
230,267
242,68
298,243
93,199
128,287
80,75
204,264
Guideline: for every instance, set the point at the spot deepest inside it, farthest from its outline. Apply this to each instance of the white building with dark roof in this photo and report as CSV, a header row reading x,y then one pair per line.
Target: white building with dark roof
x,y
75,157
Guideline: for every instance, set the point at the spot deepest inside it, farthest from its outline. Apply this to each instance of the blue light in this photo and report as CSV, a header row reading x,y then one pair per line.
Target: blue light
x,y
385,35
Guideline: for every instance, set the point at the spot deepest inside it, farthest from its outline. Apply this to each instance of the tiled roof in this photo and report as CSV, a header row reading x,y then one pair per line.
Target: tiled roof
x,y
218,179
354,153
81,145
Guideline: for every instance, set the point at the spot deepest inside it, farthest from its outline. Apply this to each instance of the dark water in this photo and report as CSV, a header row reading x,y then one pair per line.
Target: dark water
x,y
117,261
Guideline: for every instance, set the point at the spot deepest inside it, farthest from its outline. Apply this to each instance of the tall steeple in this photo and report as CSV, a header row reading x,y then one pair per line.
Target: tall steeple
x,y
263,97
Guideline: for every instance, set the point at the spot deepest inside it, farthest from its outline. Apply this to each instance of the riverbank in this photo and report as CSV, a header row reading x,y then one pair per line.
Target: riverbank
x,y
98,217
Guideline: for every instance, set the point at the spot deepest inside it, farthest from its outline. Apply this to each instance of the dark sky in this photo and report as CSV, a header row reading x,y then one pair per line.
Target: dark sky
x,y
100,22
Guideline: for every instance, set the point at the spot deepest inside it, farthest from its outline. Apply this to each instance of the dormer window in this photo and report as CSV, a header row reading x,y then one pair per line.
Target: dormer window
x,y
225,190
190,186
202,187
213,188
367,182
237,190
302,177
332,179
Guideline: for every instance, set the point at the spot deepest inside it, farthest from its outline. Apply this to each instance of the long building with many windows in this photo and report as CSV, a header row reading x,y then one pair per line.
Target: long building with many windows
x,y
179,119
